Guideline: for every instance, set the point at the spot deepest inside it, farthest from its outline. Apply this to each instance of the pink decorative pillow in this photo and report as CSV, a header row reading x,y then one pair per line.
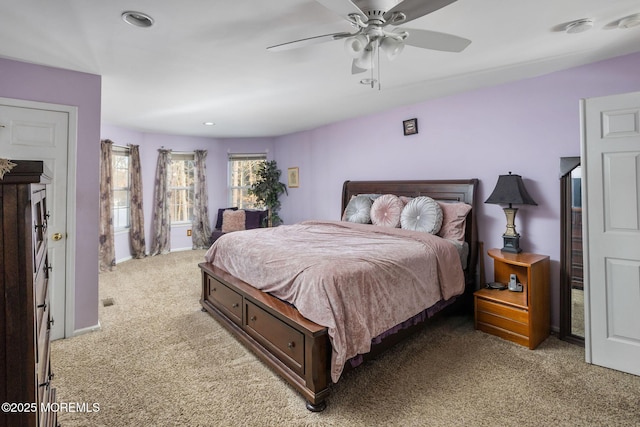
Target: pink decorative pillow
x,y
386,211
233,220
453,221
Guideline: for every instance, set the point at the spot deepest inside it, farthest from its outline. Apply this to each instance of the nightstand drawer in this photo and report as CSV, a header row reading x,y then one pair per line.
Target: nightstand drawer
x,y
502,310
502,322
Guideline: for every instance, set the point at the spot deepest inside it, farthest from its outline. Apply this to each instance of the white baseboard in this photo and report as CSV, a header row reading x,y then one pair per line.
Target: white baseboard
x,y
83,331
182,249
118,261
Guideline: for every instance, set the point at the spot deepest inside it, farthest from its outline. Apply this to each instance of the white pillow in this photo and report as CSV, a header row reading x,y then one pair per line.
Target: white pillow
x,y
358,210
422,214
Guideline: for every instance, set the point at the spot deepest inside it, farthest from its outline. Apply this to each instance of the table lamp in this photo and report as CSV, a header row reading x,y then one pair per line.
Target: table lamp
x,y
510,190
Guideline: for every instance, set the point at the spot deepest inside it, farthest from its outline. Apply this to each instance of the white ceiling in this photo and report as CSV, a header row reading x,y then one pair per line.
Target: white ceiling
x,y
206,60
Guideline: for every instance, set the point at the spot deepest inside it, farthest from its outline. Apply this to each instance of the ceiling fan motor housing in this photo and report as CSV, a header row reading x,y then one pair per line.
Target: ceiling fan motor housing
x,y
375,9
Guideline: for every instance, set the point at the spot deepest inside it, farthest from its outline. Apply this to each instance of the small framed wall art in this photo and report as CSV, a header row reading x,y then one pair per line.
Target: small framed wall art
x,y
293,179
410,126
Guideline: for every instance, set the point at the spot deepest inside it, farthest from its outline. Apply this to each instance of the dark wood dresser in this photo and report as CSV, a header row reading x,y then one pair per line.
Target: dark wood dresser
x,y
25,371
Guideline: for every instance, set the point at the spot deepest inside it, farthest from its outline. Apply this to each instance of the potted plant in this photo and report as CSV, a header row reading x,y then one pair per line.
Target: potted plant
x,y
267,188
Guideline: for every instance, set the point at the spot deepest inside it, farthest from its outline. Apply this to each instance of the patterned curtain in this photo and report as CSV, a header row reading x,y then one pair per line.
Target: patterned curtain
x,y
136,231
161,229
201,233
106,249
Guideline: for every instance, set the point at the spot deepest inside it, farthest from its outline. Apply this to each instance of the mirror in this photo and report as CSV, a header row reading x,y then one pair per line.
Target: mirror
x,y
571,275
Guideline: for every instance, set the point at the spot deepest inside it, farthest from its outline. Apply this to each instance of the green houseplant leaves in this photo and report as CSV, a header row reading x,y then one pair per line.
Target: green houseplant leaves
x,y
267,188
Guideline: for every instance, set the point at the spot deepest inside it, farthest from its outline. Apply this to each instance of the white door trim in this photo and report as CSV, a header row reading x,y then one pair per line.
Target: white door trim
x,y
72,150
585,234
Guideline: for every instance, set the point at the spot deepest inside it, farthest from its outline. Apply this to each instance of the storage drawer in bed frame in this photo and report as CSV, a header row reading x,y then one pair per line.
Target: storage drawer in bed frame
x,y
296,348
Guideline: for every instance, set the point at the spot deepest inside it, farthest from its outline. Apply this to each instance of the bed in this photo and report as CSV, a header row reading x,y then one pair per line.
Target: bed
x,y
359,306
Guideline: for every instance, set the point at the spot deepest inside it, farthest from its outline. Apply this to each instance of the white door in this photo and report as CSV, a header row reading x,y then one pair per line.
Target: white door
x,y
37,131
611,230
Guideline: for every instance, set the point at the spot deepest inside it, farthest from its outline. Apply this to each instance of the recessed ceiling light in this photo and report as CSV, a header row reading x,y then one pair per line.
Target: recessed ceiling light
x,y
629,21
209,124
579,26
137,19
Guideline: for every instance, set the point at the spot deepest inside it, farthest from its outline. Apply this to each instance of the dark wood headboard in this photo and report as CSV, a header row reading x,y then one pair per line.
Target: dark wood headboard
x,y
463,190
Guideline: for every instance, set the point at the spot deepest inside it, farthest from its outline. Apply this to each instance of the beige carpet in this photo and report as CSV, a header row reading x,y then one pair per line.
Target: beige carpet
x,y
160,361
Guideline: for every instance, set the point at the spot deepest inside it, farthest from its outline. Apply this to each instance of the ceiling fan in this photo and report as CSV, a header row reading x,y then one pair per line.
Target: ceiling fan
x,y
371,18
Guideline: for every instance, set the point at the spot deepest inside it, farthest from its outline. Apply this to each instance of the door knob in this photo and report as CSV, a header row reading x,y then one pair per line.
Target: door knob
x,y
57,236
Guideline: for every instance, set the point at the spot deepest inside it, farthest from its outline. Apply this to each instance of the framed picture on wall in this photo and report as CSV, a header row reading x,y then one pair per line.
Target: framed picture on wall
x,y
410,126
293,178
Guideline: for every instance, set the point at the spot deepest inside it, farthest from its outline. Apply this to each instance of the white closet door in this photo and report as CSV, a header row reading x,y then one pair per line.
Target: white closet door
x,y
611,230
39,131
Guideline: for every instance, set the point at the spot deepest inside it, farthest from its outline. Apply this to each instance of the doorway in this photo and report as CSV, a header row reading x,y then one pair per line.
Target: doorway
x,y
41,131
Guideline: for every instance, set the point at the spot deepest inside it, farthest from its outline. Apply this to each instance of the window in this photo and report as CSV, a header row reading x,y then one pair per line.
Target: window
x,y
242,174
121,187
181,187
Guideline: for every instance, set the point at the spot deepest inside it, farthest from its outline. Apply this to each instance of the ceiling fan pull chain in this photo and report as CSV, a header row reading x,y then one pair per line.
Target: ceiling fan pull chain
x,y
378,67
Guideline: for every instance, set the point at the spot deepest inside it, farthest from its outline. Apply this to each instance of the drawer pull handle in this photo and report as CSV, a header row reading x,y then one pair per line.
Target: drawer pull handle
x,y
252,318
214,289
44,384
291,344
236,305
43,305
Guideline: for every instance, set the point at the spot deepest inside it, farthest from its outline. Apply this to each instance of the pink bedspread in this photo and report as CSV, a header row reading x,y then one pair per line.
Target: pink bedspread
x,y
357,280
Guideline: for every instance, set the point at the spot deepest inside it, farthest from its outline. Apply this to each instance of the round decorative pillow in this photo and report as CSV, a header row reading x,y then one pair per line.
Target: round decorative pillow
x,y
358,210
386,211
422,214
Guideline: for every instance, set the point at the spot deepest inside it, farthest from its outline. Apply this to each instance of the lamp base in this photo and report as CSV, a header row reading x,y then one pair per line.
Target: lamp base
x,y
511,244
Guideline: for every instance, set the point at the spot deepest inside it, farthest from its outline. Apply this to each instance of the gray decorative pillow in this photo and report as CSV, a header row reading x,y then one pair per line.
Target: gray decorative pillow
x,y
386,211
358,210
422,214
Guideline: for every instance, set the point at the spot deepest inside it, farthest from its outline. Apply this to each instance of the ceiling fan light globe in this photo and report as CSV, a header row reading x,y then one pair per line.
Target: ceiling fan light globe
x,y
365,61
392,48
356,45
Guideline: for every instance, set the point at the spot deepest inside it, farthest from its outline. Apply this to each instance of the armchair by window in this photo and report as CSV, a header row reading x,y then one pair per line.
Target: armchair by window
x,y
233,219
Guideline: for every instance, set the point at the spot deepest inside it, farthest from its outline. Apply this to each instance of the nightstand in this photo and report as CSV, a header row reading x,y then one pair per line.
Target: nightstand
x,y
521,317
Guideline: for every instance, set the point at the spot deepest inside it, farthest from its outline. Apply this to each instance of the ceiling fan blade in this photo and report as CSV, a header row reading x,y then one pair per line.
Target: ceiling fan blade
x,y
308,41
414,9
434,40
340,7
355,69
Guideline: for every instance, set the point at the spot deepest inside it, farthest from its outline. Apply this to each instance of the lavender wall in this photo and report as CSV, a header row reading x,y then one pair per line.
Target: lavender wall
x,y
149,143
19,80
523,127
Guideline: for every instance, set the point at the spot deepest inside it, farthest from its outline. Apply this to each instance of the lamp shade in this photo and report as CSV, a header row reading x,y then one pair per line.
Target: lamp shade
x,y
510,190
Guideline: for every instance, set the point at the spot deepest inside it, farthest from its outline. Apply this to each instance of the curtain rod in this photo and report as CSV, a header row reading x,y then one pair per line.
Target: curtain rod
x,y
172,152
